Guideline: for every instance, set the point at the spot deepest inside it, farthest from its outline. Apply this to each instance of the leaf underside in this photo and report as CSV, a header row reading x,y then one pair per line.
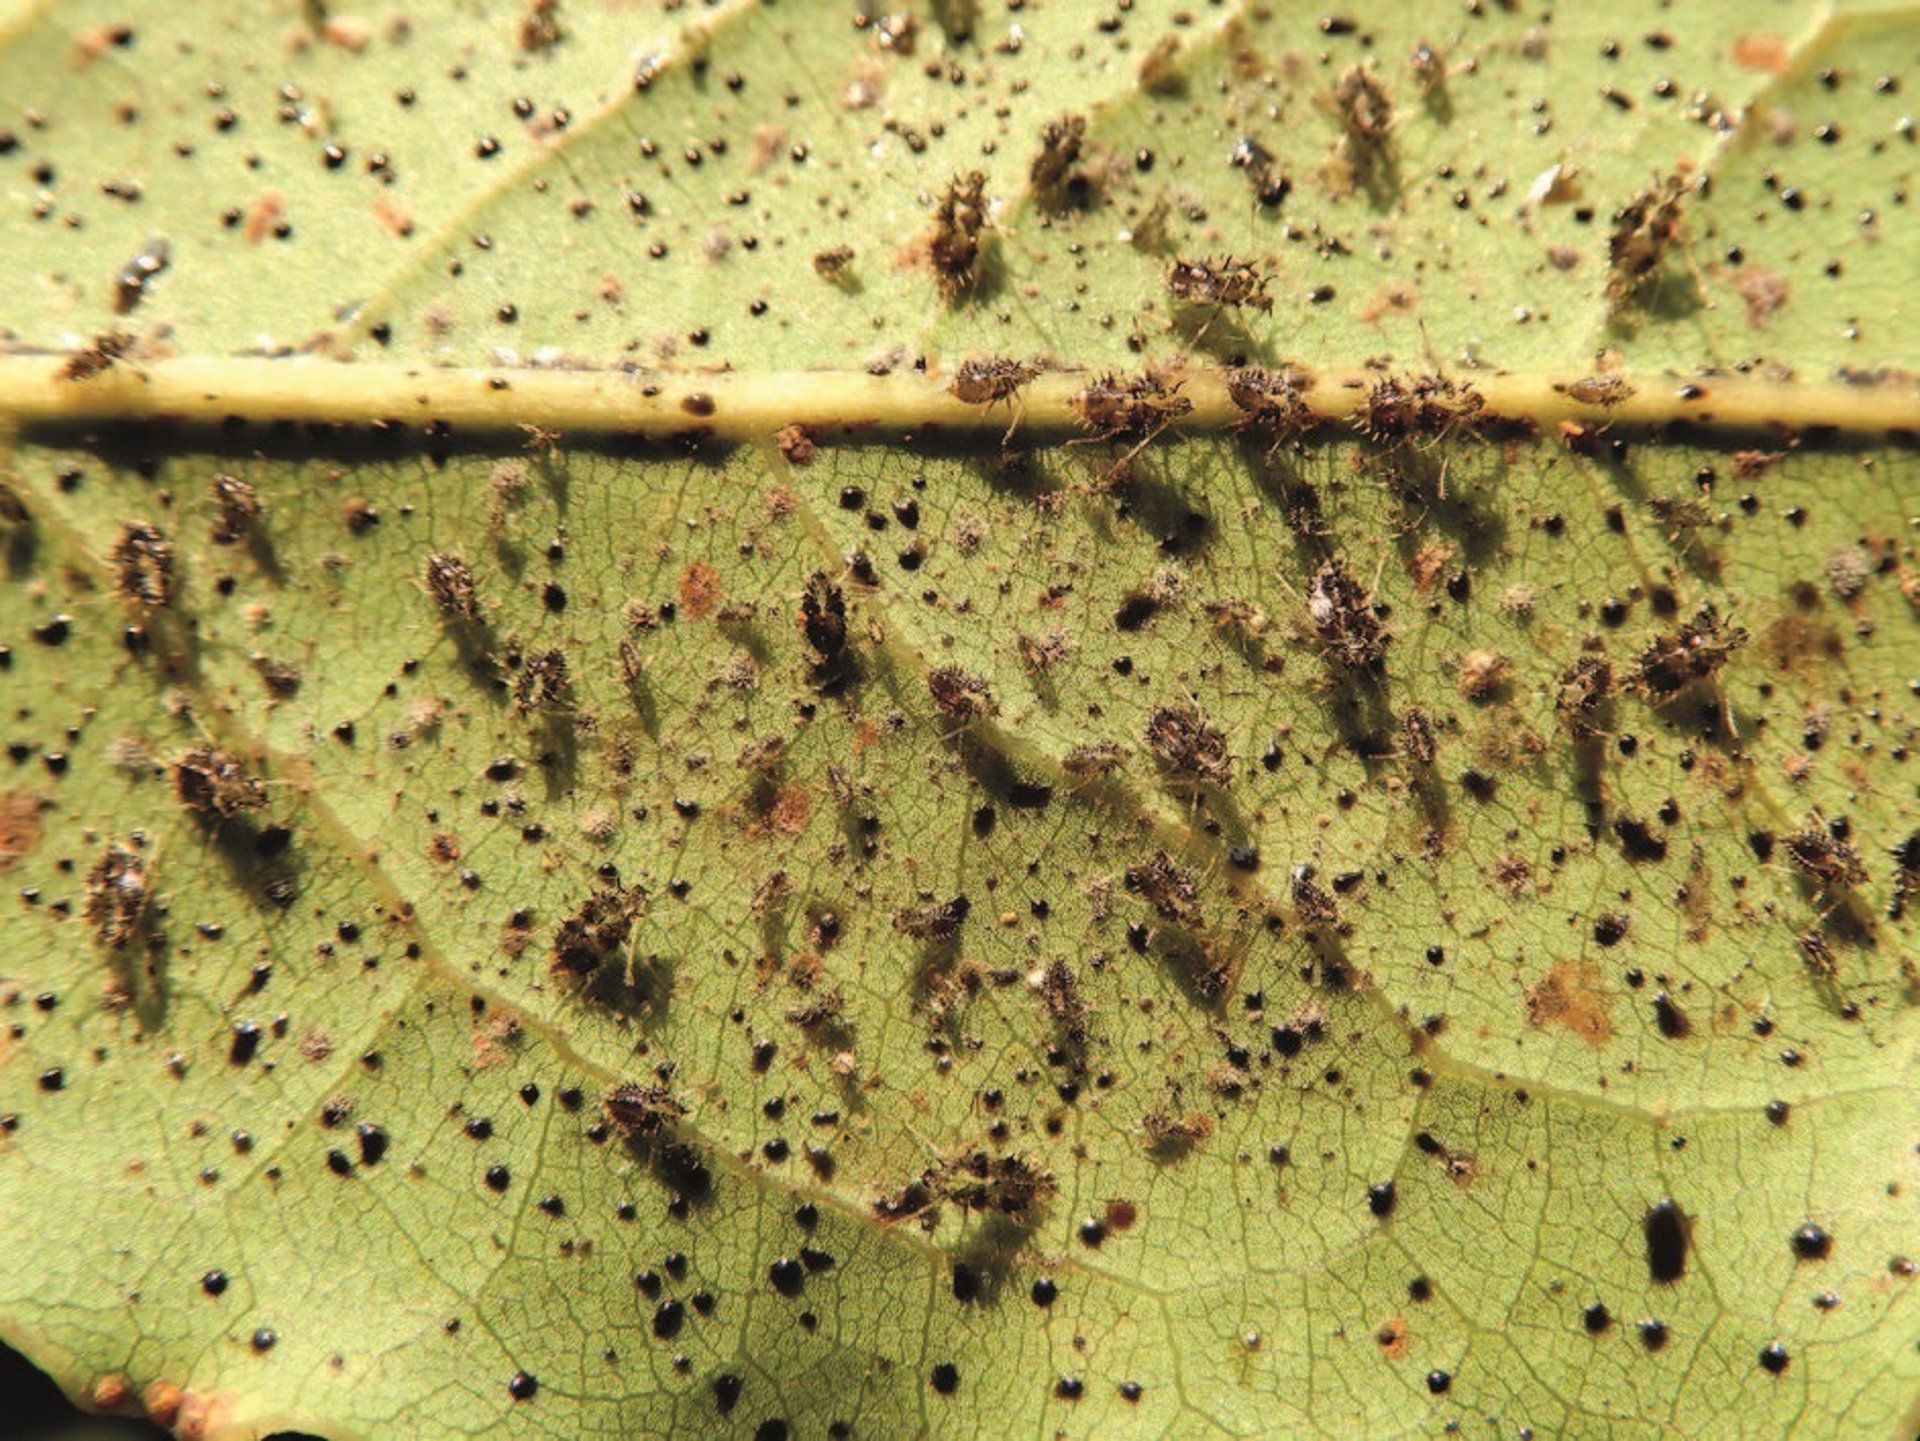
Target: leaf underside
x,y
1350,935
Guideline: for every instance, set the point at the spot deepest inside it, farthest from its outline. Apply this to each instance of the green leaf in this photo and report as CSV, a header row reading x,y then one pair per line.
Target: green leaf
x,y
604,838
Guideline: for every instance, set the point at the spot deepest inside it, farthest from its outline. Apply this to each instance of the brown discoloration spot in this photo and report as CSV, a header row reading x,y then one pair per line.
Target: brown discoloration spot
x,y
1797,643
792,806
1396,297
1429,563
19,825
315,1045
494,1040
699,590
391,218
1764,292
1571,995
1392,1337
1763,50
263,215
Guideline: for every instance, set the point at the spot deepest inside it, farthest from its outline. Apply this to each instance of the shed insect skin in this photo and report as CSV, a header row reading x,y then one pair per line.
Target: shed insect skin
x,y
1605,391
119,892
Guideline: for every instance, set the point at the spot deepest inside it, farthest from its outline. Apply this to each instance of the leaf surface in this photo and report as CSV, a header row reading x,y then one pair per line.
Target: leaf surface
x,y
941,928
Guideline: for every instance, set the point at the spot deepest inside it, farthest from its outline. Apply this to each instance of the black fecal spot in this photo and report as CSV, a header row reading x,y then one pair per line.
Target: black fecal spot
x,y
668,1317
966,1283
1667,1229
1596,1318
1069,1388
1131,1391
788,1276
1438,1382
246,1042
1045,1291
263,1340
1774,1358
946,1378
1778,1111
1381,1198
498,1178
1671,1020
373,1143
774,1430
1653,1334
1640,841
1811,1243
523,1386
1135,611
214,1283
726,1392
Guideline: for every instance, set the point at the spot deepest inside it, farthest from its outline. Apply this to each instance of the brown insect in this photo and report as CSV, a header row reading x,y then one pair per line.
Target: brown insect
x,y
1272,402
1224,282
1052,174
986,382
961,696
594,934
1188,744
1821,851
823,618
1344,618
100,354
1584,688
1364,108
959,221
833,263
1602,390
236,509
1417,737
212,783
1312,902
143,565
1695,652
450,583
1644,230
1011,1185
1169,889
1095,761
642,1111
543,682
1135,407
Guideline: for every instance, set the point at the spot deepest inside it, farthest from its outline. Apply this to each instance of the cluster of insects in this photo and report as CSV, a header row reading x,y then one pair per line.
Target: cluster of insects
x,y
1426,407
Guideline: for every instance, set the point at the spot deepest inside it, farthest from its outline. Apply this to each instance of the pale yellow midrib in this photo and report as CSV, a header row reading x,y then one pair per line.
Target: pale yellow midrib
x,y
739,405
